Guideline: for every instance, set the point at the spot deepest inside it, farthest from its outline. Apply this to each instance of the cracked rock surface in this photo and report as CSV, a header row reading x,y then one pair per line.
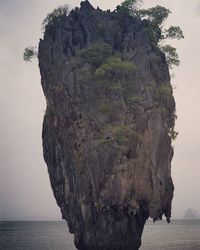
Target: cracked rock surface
x,y
106,129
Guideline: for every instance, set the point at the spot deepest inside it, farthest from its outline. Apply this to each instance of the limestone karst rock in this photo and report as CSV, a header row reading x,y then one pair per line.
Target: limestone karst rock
x,y
106,131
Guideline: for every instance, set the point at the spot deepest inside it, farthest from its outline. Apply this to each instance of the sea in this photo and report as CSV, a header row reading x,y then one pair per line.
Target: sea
x,y
53,235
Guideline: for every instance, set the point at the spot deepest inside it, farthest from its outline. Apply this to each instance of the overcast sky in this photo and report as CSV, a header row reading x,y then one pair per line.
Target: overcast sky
x,y
25,191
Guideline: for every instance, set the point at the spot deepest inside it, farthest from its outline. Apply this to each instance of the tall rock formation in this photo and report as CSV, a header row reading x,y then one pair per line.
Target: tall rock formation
x,y
106,131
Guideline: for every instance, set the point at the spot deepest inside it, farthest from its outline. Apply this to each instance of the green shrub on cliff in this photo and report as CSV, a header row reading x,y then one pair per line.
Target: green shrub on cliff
x,y
155,28
115,133
155,15
173,134
30,53
165,90
134,99
114,66
95,54
52,16
130,6
106,65
171,55
174,32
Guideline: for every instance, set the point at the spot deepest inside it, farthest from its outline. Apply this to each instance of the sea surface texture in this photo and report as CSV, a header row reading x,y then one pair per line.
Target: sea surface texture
x,y
179,234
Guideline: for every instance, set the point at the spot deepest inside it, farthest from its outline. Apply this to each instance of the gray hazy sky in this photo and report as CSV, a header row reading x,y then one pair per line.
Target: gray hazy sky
x,y
25,191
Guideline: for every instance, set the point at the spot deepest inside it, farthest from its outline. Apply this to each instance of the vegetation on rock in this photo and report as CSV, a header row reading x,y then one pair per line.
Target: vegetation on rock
x,y
134,99
30,53
114,66
130,6
156,30
95,54
171,55
165,90
173,134
154,17
56,13
116,133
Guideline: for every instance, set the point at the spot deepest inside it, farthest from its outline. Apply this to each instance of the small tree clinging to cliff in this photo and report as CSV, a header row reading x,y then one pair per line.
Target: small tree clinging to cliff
x,y
171,55
52,16
155,18
30,53
131,5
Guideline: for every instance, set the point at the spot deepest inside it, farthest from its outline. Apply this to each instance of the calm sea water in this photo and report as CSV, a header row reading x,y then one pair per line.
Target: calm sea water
x,y
178,235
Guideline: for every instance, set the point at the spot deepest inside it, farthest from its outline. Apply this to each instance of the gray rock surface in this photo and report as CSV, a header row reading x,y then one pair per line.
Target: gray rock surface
x,y
106,139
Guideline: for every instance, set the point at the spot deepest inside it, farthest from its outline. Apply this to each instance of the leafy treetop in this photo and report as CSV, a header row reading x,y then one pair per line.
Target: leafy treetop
x,y
155,18
156,15
114,66
52,16
96,53
30,53
130,6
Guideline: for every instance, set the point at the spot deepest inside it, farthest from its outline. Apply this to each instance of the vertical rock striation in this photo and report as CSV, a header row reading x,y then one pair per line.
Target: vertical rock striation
x,y
106,131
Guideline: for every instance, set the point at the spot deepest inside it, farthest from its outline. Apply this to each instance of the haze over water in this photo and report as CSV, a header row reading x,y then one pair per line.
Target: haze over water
x,y
53,235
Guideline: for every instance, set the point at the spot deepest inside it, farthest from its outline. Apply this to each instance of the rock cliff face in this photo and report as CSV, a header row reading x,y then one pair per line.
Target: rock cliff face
x,y
106,131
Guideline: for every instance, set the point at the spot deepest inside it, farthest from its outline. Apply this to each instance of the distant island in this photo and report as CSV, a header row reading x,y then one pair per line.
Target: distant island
x,y
191,214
